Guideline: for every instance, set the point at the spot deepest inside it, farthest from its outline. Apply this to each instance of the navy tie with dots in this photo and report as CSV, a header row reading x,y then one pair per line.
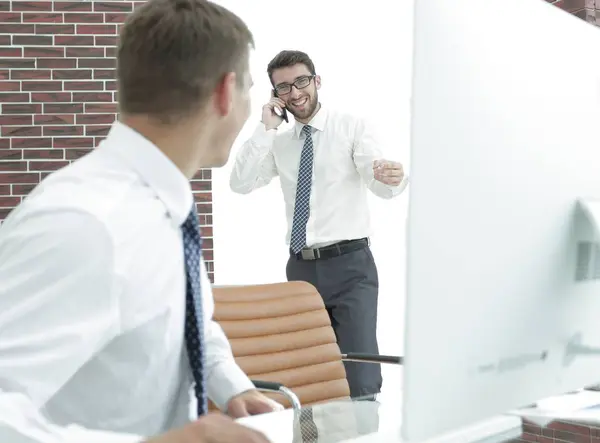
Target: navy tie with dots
x,y
194,320
303,189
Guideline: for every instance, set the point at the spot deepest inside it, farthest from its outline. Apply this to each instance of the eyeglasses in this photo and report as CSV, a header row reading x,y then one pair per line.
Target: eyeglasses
x,y
299,83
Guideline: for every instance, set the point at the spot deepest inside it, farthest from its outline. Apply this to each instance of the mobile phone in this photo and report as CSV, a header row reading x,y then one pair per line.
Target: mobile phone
x,y
283,113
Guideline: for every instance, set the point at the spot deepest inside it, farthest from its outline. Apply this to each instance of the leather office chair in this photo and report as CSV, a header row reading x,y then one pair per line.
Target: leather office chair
x,y
281,336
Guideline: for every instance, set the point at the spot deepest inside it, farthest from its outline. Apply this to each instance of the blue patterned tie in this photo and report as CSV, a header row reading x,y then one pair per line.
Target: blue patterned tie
x,y
194,320
302,205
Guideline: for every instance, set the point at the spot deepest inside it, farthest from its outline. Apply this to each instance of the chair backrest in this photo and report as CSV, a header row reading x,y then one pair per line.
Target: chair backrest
x,y
281,333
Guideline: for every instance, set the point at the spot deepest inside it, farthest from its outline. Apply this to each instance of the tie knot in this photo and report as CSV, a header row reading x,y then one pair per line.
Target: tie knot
x,y
306,130
192,219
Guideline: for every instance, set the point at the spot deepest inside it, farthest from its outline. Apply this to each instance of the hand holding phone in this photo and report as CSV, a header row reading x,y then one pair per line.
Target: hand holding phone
x,y
274,112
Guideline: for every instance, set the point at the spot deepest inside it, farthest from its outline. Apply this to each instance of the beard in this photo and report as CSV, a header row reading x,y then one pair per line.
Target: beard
x,y
309,109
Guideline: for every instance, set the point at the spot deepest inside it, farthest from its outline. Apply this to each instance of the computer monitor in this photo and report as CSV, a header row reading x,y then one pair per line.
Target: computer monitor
x,y
503,263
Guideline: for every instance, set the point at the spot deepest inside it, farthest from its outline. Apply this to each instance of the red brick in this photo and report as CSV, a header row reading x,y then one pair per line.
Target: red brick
x,y
42,17
72,142
114,6
18,177
63,108
22,189
10,154
96,29
55,97
72,6
62,130
75,40
47,165
100,108
84,18
9,202
32,40
30,74
11,52
95,119
10,86
105,74
10,17
92,97
12,166
104,40
97,63
15,120
65,119
201,185
28,143
44,51
42,86
13,97
21,131
85,51
16,28
72,74
5,190
33,5
55,29
83,86
17,63
57,63
46,154
22,108
116,17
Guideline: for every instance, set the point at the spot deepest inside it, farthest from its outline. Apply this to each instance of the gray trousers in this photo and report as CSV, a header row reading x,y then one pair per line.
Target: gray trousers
x,y
349,286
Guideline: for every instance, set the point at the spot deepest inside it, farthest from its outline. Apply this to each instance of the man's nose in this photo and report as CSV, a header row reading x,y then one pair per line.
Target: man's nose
x,y
295,93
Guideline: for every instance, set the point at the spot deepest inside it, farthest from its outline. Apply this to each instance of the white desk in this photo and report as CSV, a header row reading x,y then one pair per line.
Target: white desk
x,y
366,422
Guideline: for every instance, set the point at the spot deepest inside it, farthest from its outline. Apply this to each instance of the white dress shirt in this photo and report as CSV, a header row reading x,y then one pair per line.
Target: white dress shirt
x,y
344,150
92,303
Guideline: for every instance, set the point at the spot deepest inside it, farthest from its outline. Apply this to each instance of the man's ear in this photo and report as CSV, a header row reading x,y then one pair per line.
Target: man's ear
x,y
224,92
318,81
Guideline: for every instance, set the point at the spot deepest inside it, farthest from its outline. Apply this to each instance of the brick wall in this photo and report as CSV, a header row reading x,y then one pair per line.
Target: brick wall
x,y
57,93
576,7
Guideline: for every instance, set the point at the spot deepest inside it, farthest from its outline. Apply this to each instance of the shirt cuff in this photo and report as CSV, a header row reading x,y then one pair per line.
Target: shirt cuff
x,y
226,382
398,189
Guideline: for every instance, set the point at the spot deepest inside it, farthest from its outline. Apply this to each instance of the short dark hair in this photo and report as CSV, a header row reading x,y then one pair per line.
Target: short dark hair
x,y
290,58
173,53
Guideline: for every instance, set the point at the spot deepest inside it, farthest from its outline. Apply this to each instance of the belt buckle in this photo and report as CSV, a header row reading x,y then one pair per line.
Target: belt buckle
x,y
310,254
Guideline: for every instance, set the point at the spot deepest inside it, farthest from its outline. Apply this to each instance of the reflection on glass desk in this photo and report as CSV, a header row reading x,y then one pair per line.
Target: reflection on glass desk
x,y
361,421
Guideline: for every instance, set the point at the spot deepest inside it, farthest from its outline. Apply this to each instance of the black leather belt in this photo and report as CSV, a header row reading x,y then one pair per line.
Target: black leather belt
x,y
330,251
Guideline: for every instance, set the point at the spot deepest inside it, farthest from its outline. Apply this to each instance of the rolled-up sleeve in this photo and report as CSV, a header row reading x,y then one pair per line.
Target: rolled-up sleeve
x,y
366,151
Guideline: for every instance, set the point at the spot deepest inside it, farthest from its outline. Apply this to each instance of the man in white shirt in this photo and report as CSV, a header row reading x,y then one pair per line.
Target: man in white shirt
x,y
106,330
325,164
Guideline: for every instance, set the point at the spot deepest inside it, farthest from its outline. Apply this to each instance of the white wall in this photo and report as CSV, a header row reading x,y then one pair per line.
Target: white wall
x,y
363,52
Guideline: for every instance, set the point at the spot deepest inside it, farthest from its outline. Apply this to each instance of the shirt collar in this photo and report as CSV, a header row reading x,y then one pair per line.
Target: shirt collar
x,y
318,122
154,167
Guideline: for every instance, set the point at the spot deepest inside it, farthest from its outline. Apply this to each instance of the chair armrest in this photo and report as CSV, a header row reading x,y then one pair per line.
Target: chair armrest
x,y
373,358
269,386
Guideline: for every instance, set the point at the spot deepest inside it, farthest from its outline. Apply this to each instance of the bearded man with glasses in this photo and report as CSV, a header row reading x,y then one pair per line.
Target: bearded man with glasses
x,y
325,163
